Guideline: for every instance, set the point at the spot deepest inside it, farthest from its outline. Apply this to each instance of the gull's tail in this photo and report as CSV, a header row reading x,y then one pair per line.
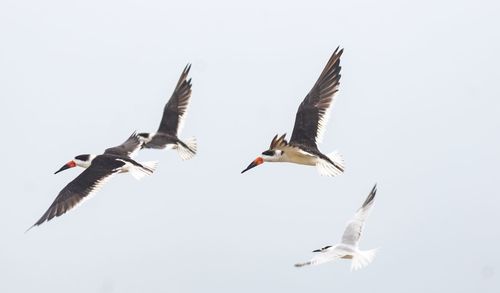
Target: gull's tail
x,y
362,258
332,167
143,169
187,149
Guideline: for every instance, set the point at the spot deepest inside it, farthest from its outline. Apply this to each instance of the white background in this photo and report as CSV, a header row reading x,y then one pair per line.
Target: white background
x,y
417,112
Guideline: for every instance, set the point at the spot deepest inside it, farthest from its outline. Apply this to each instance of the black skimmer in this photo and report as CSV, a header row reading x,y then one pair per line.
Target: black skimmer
x,y
310,122
348,247
98,170
172,121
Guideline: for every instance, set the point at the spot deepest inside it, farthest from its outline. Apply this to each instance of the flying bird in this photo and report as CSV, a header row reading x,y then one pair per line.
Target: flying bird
x,y
172,122
310,121
98,170
348,247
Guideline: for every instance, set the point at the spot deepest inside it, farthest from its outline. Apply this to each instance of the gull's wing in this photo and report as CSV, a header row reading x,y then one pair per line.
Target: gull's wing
x,y
355,226
81,188
129,148
323,256
312,114
175,110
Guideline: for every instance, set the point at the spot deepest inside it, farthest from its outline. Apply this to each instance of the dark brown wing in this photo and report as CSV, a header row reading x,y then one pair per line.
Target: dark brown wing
x,y
312,113
176,108
128,148
278,143
88,182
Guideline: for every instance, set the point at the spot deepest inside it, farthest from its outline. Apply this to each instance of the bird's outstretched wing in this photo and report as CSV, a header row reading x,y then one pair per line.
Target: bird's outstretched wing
x,y
323,256
175,110
355,226
81,188
312,115
129,148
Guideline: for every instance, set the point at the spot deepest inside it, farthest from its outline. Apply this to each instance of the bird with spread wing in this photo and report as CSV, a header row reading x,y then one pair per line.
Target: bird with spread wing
x,y
348,247
310,122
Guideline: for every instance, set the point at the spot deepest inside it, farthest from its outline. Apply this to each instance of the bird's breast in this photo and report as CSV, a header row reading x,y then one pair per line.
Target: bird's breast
x,y
298,156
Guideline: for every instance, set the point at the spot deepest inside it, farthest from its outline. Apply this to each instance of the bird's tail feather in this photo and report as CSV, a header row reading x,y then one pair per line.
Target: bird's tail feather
x,y
187,149
145,168
326,168
362,258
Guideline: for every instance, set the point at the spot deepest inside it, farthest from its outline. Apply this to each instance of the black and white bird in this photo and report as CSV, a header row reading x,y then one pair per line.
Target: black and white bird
x,y
98,170
348,247
171,124
310,122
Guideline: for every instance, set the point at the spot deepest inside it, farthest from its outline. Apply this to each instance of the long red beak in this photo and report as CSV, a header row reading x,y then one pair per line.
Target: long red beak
x,y
68,165
255,163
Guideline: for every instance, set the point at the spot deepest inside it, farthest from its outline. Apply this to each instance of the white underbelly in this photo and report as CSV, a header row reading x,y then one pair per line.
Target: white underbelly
x,y
300,157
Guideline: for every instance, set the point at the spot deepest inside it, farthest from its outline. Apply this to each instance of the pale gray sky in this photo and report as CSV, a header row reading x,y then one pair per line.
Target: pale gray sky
x,y
417,112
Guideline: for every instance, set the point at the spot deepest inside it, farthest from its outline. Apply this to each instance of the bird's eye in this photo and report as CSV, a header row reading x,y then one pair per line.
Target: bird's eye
x,y
268,153
82,157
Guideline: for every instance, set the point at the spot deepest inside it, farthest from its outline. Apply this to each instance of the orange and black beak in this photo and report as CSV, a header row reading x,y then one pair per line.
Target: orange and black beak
x,y
68,165
255,163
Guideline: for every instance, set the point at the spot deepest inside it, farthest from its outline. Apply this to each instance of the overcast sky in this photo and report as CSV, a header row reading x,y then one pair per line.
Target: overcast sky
x,y
417,112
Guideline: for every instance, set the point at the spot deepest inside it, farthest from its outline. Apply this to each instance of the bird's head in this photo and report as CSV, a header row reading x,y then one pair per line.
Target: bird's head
x,y
81,161
266,156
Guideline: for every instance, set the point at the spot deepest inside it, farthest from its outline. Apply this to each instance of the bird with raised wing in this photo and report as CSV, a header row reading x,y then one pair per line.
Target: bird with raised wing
x,y
348,247
98,170
171,124
310,122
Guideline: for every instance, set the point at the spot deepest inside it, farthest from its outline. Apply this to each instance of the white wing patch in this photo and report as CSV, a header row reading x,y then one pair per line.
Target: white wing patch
x,y
329,255
182,118
323,121
354,228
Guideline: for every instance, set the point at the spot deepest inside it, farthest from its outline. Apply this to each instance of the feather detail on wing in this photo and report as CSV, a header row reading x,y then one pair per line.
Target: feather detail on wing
x,y
278,143
175,110
324,256
80,189
313,113
129,148
354,228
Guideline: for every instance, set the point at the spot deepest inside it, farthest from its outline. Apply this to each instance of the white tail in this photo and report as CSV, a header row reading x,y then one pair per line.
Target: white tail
x,y
325,168
147,169
187,153
362,258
